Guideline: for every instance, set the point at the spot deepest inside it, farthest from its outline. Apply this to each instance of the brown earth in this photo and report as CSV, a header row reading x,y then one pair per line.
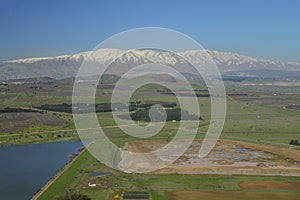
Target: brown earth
x,y
230,195
141,147
276,160
270,185
12,122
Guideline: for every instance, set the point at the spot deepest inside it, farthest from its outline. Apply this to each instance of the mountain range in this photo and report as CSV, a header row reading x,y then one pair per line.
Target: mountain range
x,y
230,64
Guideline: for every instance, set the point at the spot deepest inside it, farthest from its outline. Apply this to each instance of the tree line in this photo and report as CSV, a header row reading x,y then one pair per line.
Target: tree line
x,y
100,107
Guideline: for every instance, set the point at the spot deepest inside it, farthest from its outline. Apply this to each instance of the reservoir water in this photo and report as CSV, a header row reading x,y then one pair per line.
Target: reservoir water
x,y
26,168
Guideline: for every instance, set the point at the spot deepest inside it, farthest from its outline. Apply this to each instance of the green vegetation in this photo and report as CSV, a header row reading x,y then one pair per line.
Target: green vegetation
x,y
70,178
246,120
171,114
64,107
13,110
157,196
99,107
72,196
76,177
254,114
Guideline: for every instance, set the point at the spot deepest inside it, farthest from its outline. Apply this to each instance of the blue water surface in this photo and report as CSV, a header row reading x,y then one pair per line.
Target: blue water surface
x,y
26,168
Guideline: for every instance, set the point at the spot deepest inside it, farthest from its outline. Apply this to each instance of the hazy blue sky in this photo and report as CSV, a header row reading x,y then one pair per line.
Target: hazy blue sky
x,y
259,28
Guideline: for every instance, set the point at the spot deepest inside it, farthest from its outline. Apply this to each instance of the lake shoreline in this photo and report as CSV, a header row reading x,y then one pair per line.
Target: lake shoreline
x,y
31,166
60,172
2,144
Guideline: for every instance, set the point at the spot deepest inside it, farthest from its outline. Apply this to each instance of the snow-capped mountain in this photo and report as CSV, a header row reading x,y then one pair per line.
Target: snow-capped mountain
x,y
67,65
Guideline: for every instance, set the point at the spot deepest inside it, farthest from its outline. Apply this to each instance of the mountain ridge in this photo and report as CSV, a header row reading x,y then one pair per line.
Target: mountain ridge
x,y
67,65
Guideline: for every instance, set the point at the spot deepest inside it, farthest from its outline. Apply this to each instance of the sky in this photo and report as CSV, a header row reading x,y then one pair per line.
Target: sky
x,y
268,29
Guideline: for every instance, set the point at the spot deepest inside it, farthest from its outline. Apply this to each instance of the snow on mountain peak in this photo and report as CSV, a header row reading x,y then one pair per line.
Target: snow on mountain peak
x,y
69,64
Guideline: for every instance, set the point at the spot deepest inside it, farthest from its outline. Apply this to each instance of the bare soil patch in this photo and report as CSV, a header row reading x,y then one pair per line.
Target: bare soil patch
x,y
227,157
270,185
231,195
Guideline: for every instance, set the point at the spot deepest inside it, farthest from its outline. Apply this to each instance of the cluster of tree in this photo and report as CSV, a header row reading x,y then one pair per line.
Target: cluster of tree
x,y
293,107
103,107
294,142
100,107
171,114
237,94
80,108
162,90
64,107
13,110
187,94
202,95
136,105
204,90
168,93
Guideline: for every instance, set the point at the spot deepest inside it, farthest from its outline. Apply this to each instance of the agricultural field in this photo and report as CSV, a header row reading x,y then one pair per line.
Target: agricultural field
x,y
109,182
254,148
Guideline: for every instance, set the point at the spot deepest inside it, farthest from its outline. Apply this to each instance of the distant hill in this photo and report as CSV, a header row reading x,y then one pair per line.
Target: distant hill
x,y
67,65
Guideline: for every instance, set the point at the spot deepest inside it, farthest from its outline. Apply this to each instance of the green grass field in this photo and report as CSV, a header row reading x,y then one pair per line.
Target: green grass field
x,y
250,121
